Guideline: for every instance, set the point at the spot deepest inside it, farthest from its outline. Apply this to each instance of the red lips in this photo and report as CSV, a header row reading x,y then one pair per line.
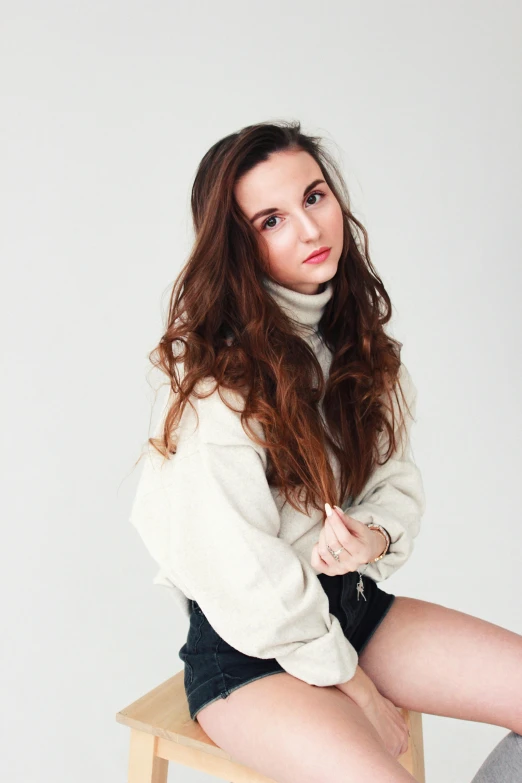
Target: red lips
x,y
320,252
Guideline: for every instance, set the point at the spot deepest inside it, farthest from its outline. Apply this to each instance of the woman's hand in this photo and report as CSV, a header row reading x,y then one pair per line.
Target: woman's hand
x,y
389,723
360,544
384,716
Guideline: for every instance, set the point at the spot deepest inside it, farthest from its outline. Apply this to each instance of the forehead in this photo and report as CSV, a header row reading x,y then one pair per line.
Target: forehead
x,y
279,179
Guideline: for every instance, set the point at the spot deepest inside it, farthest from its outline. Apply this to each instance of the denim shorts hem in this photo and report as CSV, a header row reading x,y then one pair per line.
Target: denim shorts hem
x,y
224,693
213,668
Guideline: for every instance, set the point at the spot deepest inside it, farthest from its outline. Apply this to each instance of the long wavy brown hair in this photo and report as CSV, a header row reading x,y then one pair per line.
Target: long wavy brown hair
x,y
222,322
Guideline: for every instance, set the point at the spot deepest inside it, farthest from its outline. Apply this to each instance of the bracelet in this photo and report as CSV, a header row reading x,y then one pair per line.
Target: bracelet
x,y
385,534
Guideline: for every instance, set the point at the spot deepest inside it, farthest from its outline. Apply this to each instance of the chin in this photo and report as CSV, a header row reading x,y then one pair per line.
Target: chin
x,y
321,272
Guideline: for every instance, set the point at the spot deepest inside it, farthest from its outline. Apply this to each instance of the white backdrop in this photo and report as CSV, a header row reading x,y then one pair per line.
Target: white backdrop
x,y
107,109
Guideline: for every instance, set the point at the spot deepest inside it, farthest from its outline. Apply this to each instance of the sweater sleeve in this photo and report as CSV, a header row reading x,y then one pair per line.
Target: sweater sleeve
x,y
220,542
394,496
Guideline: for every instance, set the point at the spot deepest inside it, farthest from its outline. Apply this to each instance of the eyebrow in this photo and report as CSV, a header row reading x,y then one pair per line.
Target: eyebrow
x,y
270,210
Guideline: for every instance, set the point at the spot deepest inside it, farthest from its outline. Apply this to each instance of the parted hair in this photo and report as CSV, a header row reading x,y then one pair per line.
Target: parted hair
x,y
222,322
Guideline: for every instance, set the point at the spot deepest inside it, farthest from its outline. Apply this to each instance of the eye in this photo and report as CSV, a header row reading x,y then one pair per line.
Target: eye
x,y
315,193
274,217
264,226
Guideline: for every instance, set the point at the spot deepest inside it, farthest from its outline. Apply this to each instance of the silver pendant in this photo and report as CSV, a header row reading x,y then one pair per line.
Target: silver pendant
x,y
360,587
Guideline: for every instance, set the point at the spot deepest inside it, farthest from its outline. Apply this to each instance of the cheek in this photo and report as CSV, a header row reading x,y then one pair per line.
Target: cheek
x,y
279,247
335,222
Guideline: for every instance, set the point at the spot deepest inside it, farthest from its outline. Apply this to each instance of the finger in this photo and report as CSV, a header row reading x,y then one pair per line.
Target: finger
x,y
316,560
321,561
318,563
360,545
328,539
353,525
335,528
330,535
351,557
341,564
344,541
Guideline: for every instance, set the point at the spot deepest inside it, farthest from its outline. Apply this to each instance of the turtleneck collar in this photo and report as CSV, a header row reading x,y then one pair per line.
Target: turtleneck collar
x,y
306,309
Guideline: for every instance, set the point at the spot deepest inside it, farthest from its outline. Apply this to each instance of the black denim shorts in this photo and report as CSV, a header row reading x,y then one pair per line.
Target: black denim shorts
x,y
213,669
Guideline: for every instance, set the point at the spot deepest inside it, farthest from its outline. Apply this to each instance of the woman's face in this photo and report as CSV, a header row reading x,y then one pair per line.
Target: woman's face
x,y
304,216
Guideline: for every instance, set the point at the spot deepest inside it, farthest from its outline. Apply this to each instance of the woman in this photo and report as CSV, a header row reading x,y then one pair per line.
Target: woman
x,y
293,390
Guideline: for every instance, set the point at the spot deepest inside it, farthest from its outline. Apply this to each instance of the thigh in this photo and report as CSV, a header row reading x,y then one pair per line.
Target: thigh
x,y
433,659
291,731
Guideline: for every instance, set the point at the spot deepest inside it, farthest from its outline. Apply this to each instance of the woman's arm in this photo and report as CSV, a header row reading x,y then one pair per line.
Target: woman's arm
x,y
394,495
385,717
209,519
361,689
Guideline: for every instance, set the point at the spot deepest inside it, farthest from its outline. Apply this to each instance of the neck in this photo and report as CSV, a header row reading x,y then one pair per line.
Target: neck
x,y
305,309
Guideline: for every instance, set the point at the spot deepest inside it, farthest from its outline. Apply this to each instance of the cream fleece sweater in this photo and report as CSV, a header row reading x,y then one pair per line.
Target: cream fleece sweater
x,y
221,535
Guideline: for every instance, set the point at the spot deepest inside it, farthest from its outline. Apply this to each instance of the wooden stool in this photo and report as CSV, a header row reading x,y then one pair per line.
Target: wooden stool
x,y
162,731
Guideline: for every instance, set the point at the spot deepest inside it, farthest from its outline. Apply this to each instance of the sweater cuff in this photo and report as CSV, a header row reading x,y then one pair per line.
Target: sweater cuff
x,y
401,543
337,655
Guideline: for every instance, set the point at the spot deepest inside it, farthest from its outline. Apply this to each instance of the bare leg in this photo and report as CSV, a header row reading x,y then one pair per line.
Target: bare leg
x,y
291,731
436,660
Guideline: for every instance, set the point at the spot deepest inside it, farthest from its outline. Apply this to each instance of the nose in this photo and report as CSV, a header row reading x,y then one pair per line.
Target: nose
x,y
308,228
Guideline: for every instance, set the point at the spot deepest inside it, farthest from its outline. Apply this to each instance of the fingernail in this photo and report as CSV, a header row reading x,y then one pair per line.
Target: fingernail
x,y
328,509
339,509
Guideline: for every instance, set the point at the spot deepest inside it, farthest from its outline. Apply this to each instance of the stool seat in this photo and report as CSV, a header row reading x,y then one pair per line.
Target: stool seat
x,y
162,731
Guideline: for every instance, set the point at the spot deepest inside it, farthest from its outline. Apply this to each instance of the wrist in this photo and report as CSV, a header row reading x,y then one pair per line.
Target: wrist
x,y
361,689
380,543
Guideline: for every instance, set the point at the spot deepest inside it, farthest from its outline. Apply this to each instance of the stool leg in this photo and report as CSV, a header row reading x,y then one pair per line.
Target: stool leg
x,y
144,765
413,759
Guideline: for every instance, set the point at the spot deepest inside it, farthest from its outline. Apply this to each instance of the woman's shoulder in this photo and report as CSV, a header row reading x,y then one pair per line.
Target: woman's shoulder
x,y
407,384
215,417
405,380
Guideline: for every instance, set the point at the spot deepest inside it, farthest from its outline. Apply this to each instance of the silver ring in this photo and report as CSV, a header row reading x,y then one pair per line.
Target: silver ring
x,y
335,554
